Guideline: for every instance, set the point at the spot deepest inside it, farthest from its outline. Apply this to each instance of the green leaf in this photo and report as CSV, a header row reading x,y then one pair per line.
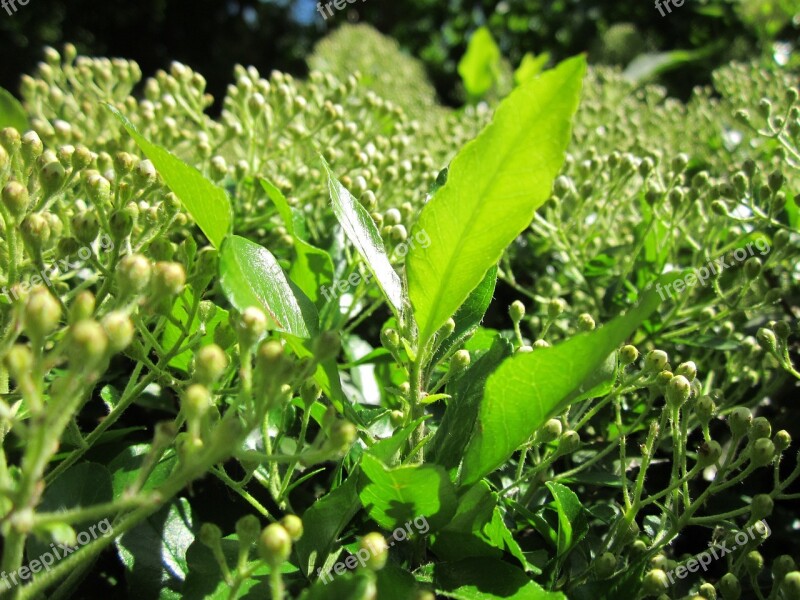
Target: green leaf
x,y
154,552
208,204
125,468
494,186
312,268
487,579
530,67
479,66
84,485
457,425
251,276
360,229
12,114
350,586
648,66
324,522
528,388
180,313
470,315
393,497
572,523
395,583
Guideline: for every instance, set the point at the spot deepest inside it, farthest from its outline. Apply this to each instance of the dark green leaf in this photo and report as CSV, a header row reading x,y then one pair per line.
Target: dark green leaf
x,y
125,468
487,579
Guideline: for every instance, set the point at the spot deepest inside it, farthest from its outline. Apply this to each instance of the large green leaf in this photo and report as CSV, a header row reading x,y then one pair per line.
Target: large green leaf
x,y
251,276
487,579
528,388
154,552
479,66
207,203
494,186
360,229
394,497
324,522
12,114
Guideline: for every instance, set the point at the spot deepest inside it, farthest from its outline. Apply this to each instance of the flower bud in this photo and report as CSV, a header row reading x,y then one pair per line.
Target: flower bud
x,y
704,408
790,586
459,363
709,453
210,535
782,440
760,428
85,227
762,452
19,361
655,582
251,326
293,526
628,355
144,174
447,329
707,592
586,322
31,147
42,314
550,431
196,401
342,435
10,140
752,268
555,307
248,529
766,337
729,587
120,224
119,329
754,562
82,307
655,361
88,344
390,339
678,391
52,176
169,279
761,506
124,163
516,311
605,565
688,370
16,199
569,442
739,420
210,363
274,545
375,545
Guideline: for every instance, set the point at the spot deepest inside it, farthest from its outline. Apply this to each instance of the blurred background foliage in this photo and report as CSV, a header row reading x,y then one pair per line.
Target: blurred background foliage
x,y
213,35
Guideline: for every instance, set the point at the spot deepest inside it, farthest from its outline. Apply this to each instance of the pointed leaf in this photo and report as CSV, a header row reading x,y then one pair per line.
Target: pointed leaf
x,y
251,276
478,67
487,579
528,388
493,188
208,204
363,234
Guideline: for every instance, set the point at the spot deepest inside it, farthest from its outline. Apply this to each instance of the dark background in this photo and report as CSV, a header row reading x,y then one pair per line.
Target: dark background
x,y
213,35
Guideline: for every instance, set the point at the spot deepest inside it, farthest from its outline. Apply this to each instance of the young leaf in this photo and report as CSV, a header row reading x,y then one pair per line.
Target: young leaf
x,y
478,67
572,523
12,114
530,67
362,233
208,204
393,497
493,188
250,276
528,388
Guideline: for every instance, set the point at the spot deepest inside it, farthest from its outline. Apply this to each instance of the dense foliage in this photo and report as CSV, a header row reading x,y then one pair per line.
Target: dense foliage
x,y
346,342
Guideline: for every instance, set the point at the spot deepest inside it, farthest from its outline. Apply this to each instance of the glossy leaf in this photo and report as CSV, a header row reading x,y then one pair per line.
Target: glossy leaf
x,y
487,579
324,522
393,497
208,204
494,185
180,314
12,114
251,276
572,523
470,315
528,388
154,552
364,235
312,269
479,66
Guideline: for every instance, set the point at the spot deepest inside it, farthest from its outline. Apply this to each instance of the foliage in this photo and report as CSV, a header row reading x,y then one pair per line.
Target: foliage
x,y
336,344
